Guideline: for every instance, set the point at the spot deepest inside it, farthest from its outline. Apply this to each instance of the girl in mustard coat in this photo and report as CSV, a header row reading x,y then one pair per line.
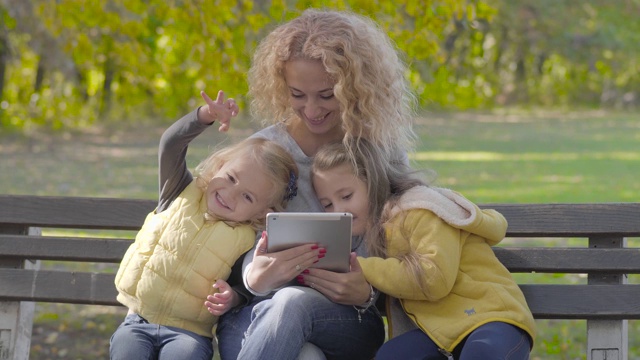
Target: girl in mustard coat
x,y
448,296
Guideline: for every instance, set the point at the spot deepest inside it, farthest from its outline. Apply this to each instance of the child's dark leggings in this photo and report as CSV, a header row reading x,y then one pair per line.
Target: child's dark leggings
x,y
492,341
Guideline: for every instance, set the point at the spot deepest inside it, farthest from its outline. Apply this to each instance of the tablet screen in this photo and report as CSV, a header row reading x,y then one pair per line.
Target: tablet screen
x,y
329,230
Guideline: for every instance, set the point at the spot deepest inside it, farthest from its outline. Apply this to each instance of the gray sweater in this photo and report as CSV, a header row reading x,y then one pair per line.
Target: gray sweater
x,y
173,173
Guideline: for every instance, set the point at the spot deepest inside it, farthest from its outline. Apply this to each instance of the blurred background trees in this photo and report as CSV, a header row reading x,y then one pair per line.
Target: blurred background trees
x,y
71,63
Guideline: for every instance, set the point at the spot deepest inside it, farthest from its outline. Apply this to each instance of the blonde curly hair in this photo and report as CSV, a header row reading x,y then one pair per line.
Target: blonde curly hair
x,y
375,98
278,166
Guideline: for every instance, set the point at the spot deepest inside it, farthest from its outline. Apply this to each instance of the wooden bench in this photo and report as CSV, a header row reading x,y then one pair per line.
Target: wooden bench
x,y
605,299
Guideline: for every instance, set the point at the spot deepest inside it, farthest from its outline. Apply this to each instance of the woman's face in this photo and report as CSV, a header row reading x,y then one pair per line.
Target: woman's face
x,y
311,96
339,190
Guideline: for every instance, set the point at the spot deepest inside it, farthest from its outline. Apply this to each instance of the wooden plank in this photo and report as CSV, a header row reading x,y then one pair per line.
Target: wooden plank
x,y
570,260
74,212
64,248
57,286
602,302
605,302
543,260
532,220
570,220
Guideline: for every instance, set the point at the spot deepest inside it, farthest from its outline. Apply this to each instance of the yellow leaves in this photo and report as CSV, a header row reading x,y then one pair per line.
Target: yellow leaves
x,y
161,52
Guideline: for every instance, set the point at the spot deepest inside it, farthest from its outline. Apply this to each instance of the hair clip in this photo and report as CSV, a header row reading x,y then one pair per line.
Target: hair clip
x,y
292,188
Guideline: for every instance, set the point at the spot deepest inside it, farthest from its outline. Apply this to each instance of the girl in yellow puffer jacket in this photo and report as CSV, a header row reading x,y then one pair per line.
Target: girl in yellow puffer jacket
x,y
185,249
448,296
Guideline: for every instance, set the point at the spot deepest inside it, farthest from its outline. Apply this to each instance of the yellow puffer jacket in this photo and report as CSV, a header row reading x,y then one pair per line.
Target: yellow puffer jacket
x,y
167,273
466,285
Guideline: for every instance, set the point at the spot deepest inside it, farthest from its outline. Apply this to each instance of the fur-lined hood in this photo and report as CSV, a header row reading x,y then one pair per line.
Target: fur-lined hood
x,y
454,209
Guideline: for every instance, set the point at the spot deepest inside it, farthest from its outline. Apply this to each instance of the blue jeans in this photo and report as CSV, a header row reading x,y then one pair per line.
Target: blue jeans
x,y
278,327
491,341
137,339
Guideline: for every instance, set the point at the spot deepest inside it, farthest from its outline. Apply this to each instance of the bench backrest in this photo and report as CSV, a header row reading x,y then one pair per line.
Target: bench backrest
x,y
604,258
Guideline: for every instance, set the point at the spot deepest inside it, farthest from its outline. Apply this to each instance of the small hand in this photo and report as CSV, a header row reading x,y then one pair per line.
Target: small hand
x,y
220,110
222,301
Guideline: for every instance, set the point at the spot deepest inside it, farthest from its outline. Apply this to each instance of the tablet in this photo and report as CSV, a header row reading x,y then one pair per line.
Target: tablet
x,y
331,231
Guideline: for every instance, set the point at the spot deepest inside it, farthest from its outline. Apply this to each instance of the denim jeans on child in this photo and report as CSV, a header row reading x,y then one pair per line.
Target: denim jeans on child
x,y
491,341
137,339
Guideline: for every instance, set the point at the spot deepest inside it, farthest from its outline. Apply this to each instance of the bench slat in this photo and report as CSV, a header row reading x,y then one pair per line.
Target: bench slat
x,y
542,260
64,248
577,220
604,302
74,212
570,260
57,286
532,220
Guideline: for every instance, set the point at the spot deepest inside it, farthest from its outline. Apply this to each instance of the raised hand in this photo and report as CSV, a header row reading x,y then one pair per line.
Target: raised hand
x,y
220,110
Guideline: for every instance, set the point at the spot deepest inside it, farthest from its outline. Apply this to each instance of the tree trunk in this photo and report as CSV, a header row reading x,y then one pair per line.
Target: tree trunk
x,y
109,73
4,55
39,75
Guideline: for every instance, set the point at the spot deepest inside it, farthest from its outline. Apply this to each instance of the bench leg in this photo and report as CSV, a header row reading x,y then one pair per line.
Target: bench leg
x,y
16,322
16,317
607,339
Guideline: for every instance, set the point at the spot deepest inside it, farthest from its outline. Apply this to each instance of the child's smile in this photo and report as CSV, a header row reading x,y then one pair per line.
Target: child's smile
x,y
236,193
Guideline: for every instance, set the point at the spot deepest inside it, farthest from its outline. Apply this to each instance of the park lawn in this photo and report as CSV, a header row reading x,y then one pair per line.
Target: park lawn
x,y
490,158
514,159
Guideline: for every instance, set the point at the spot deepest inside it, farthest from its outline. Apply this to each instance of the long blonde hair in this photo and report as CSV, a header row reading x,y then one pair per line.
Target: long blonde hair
x,y
368,72
276,164
386,182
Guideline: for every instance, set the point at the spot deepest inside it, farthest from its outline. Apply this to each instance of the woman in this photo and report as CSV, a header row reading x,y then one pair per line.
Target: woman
x,y
322,77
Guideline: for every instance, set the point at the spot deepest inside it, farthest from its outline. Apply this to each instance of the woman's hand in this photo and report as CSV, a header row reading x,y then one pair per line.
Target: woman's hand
x,y
343,288
222,301
221,110
272,270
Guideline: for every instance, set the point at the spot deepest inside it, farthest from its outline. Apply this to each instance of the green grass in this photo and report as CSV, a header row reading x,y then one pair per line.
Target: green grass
x,y
490,158
564,158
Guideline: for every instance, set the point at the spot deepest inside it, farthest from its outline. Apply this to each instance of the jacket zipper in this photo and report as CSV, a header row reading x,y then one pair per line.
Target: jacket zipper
x,y
446,353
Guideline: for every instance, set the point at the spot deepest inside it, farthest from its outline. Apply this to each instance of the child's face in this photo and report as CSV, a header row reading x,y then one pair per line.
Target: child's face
x,y
239,191
312,97
339,190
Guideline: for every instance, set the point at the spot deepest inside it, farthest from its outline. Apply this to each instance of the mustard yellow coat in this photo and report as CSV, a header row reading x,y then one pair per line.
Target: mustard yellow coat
x,y
167,273
466,285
